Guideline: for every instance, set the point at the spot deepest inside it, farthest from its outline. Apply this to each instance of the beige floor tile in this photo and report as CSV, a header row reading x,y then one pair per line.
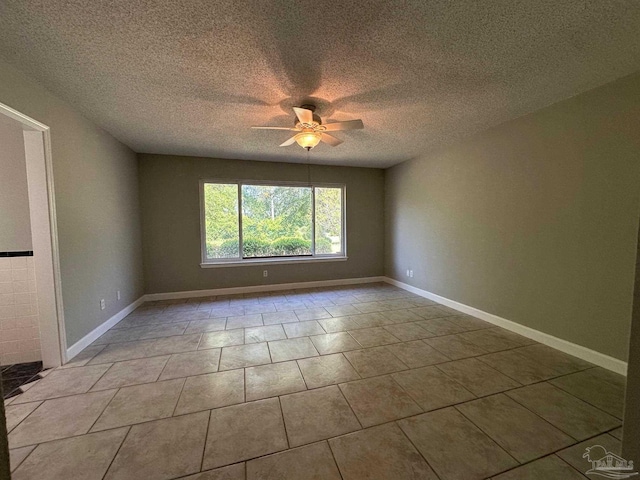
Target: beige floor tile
x,y
370,307
379,453
83,357
259,308
547,468
140,403
241,356
373,337
334,343
279,317
317,415
264,334
564,411
242,432
162,449
515,365
477,377
18,455
191,363
455,347
232,472
303,329
327,370
83,457
369,320
60,418
407,331
378,400
147,332
574,454
311,462
312,314
340,324
469,323
601,389
222,339
289,306
292,349
244,321
431,388
402,317
454,447
441,326
209,325
342,310
226,312
417,354
61,383
131,372
17,413
495,339
273,380
561,363
429,312
617,433
374,361
147,348
213,390
524,435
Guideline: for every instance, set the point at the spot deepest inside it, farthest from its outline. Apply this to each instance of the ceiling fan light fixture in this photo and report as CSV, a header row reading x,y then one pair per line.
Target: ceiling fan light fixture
x,y
308,140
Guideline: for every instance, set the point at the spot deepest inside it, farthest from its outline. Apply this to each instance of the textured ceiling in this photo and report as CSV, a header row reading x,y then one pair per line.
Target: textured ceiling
x,y
191,77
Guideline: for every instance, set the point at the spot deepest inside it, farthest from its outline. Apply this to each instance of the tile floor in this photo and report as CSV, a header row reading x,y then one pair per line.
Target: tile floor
x,y
356,382
14,376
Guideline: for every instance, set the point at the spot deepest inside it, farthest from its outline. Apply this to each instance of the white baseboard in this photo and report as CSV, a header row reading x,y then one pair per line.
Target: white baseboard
x,y
93,335
597,358
259,288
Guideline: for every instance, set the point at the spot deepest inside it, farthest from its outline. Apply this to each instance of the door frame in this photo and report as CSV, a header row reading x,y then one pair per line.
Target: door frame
x,y
44,232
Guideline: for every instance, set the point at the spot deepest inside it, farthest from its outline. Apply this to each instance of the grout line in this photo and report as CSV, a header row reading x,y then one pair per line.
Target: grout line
x,y
129,427
397,424
284,423
334,458
204,444
175,407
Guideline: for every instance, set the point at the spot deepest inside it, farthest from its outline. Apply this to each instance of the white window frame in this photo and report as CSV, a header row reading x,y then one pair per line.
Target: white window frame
x,y
239,261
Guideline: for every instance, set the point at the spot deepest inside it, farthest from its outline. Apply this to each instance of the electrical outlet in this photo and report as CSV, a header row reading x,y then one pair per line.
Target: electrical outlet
x,y
408,272
265,273
411,273
103,304
118,295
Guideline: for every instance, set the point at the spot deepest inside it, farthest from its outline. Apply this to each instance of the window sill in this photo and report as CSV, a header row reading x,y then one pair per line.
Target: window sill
x,y
271,261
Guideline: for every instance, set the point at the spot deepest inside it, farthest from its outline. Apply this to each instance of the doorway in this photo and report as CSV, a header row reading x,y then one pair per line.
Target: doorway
x,y
31,278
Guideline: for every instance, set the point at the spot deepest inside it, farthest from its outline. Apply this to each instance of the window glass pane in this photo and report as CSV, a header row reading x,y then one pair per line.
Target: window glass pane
x,y
276,221
221,220
328,220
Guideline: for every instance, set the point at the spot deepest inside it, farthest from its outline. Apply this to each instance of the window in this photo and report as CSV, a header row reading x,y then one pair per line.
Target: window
x,y
252,222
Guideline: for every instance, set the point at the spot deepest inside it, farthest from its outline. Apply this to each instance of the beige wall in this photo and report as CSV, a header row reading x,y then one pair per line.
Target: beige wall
x,y
534,220
631,433
169,197
97,205
15,225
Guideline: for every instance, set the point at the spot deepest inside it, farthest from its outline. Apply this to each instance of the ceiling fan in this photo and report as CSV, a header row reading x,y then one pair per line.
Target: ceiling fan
x,y
312,131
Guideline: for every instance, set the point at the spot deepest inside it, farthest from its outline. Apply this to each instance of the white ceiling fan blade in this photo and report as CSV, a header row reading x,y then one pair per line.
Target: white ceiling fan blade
x,y
275,128
291,141
304,115
331,140
348,125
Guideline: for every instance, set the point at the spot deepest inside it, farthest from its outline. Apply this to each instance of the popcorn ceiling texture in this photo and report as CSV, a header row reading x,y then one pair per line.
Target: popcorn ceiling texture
x,y
191,77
